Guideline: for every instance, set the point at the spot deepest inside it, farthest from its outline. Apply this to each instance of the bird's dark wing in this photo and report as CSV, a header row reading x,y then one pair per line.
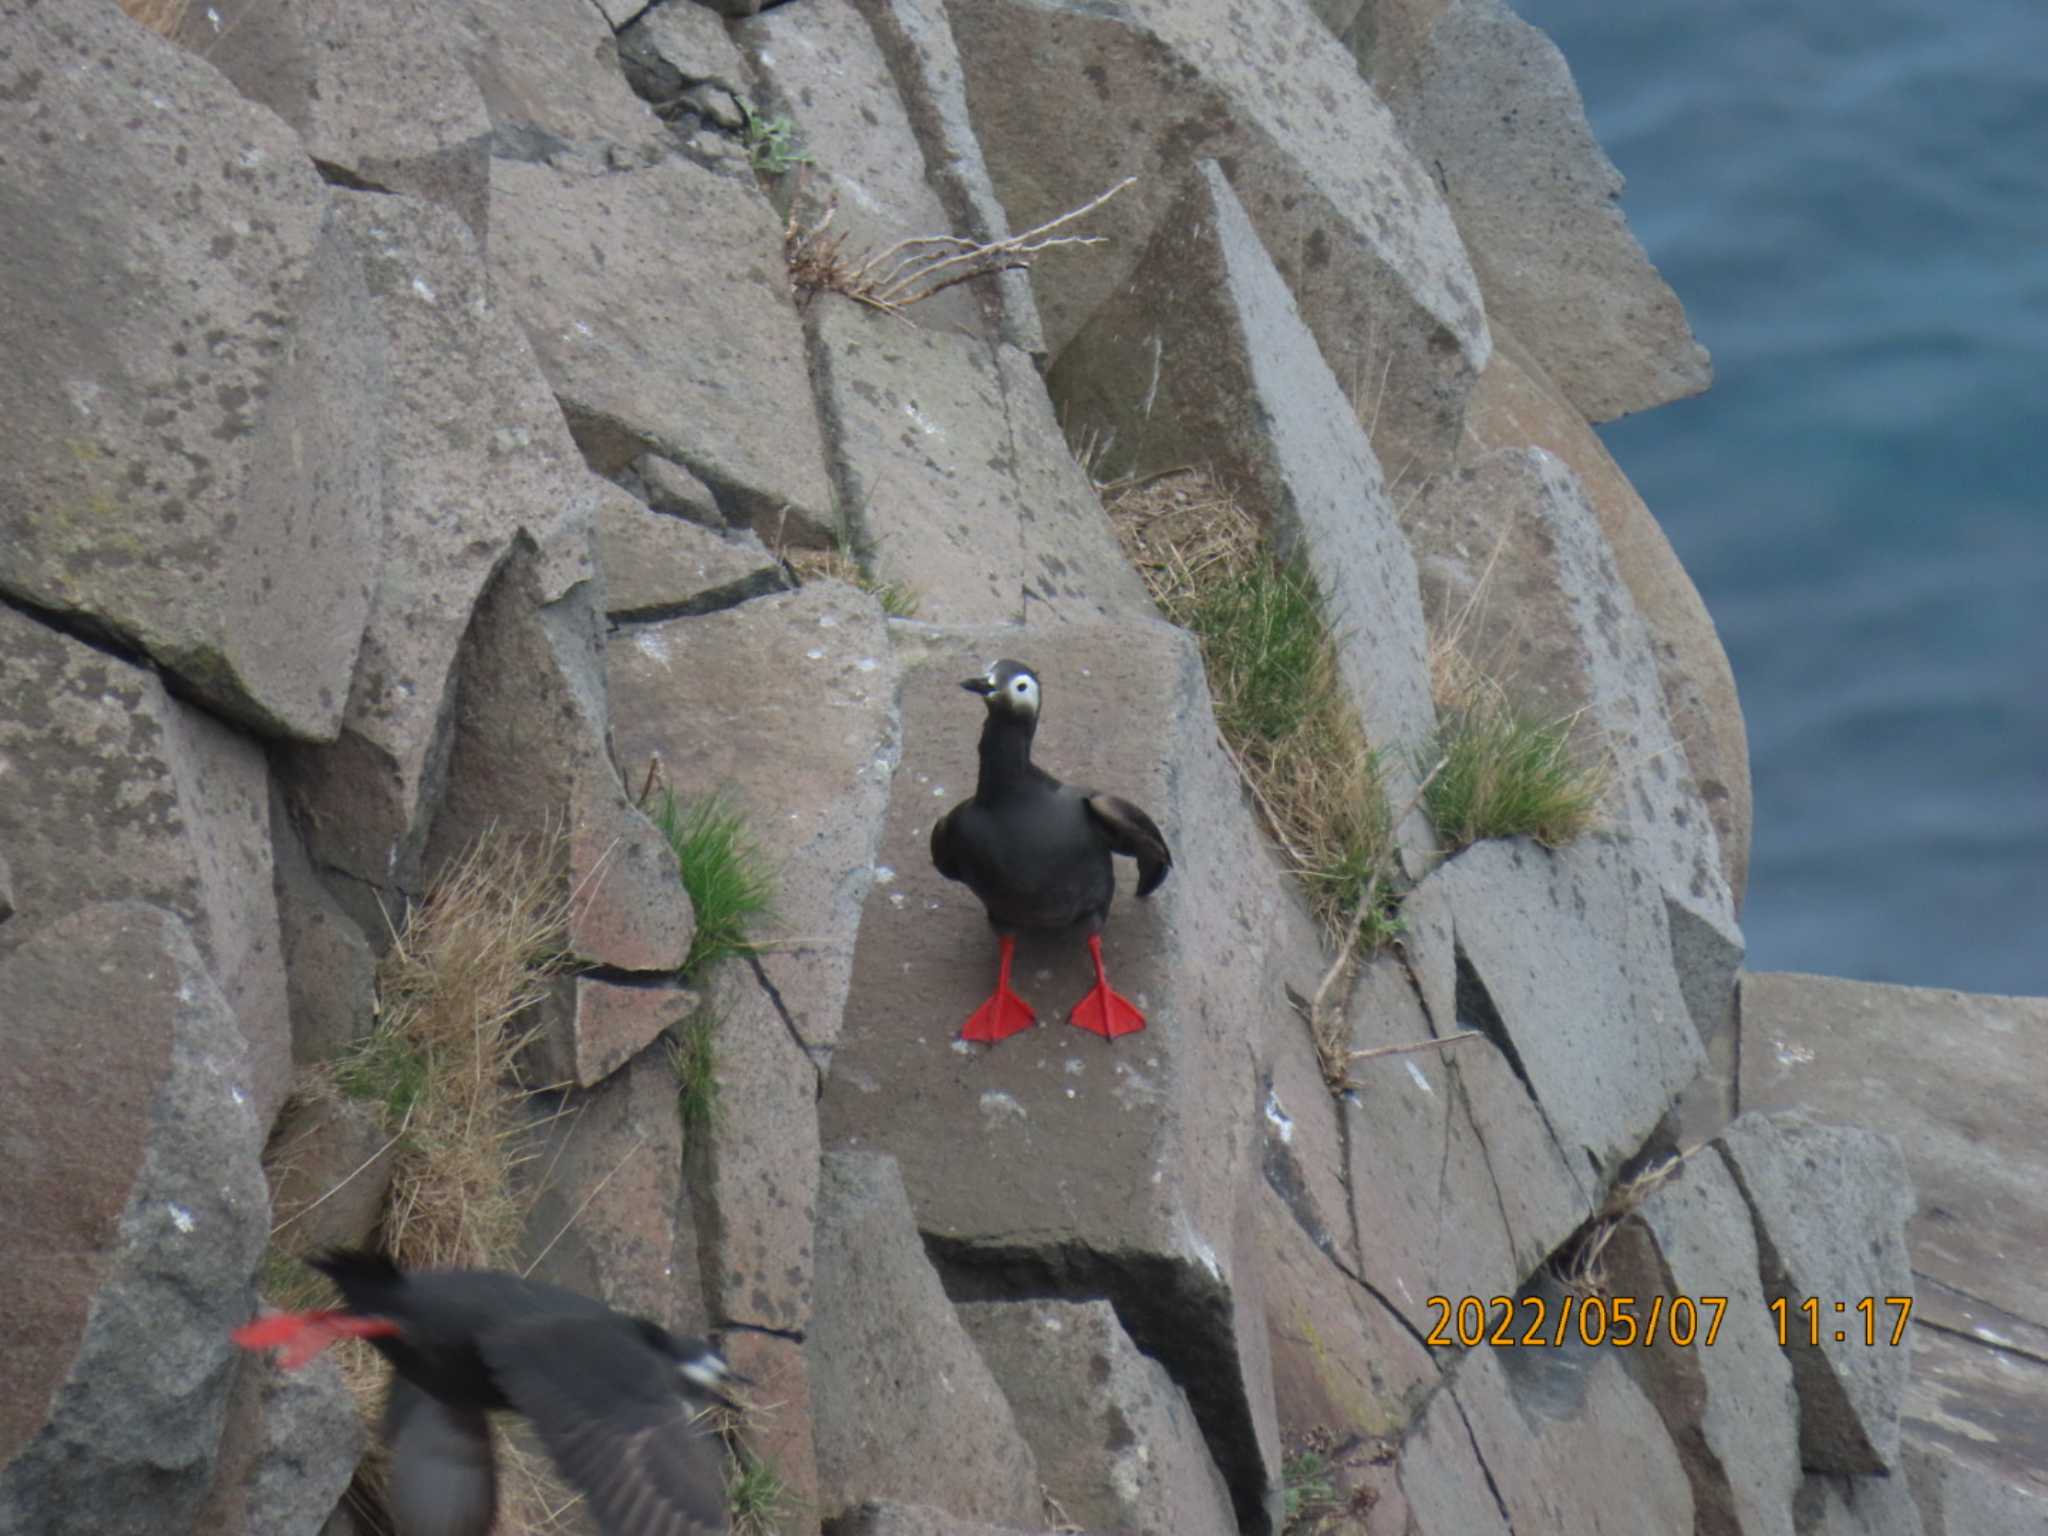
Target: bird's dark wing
x,y
611,1410
1135,835
443,1481
945,850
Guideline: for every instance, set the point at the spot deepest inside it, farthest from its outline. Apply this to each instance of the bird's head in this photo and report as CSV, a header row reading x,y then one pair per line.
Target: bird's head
x,y
1008,688
701,1369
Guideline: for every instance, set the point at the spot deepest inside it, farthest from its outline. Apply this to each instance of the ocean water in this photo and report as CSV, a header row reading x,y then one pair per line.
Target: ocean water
x,y
1851,199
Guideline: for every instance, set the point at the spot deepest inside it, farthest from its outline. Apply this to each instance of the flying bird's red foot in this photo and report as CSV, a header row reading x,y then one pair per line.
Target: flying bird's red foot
x,y
299,1336
1105,1012
1005,1013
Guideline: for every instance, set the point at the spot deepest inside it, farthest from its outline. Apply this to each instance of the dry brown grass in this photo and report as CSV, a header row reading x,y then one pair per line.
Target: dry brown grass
x,y
458,987
1580,1264
163,16
910,271
457,991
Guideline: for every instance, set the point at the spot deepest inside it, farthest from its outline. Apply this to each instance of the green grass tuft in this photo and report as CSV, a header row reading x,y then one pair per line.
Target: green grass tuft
x,y
1272,665
1507,775
723,870
1307,1490
757,1497
770,142
692,1055
388,1069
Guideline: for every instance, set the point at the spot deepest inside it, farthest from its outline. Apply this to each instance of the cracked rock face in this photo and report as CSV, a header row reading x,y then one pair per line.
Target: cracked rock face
x,y
1116,1443
178,455
883,1329
1068,98
140,1183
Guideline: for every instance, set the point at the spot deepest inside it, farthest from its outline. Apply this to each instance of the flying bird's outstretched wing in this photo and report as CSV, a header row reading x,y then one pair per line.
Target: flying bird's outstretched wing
x,y
443,1479
612,1411
1135,835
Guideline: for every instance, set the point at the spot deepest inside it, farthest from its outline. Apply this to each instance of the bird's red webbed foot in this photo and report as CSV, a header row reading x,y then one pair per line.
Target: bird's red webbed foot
x,y
1104,1011
1005,1013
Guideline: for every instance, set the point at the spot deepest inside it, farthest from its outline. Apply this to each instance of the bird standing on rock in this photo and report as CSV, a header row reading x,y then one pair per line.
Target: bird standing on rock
x,y
1037,853
614,1398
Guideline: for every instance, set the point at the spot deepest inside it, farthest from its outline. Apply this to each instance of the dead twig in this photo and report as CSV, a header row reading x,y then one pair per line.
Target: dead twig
x,y
1409,1047
923,266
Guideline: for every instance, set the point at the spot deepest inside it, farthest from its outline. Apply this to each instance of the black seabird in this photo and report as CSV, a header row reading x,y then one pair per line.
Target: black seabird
x,y
1037,853
616,1399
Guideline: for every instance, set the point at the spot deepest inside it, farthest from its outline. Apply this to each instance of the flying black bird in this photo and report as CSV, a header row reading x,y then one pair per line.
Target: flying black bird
x,y
614,1398
1037,853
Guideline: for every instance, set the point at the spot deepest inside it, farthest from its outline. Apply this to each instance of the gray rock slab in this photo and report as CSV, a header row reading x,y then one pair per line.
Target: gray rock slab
x,y
660,567
1729,1406
920,441
1832,1505
614,1023
1352,217
383,95
1955,1077
330,971
677,44
551,80
606,1184
787,705
1830,1204
1428,1196
964,491
329,1163
1344,1362
1115,1440
784,1439
1955,1498
906,1409
288,1450
916,39
1201,357
1075,571
820,65
1515,406
1543,1419
1446,1487
195,466
1568,967
1489,102
755,1186
659,306
138,1182
1122,1168
474,456
1516,568
120,792
1978,1405
529,755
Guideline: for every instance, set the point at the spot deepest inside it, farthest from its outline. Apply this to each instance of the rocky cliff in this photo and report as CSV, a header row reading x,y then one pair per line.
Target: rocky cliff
x,y
420,418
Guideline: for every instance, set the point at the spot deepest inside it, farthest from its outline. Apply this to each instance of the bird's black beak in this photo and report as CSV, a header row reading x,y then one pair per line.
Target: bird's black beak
x,y
980,685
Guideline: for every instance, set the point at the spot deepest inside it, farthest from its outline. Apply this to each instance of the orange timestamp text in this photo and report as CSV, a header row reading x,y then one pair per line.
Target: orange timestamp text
x,y
1836,1320
1535,1322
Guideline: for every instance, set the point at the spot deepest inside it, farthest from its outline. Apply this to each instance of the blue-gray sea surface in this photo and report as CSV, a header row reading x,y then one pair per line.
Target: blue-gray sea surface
x,y
1851,198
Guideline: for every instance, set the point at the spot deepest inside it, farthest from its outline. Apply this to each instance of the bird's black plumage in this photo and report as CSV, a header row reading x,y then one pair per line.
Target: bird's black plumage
x,y
614,1398
1036,851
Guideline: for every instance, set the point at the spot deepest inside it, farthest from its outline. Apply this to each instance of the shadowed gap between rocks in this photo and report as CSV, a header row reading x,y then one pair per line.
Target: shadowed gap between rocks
x,y
763,583
1172,1310
108,642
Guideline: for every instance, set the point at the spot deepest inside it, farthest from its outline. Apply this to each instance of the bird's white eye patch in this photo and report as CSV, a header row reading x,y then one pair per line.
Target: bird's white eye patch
x,y
706,1370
